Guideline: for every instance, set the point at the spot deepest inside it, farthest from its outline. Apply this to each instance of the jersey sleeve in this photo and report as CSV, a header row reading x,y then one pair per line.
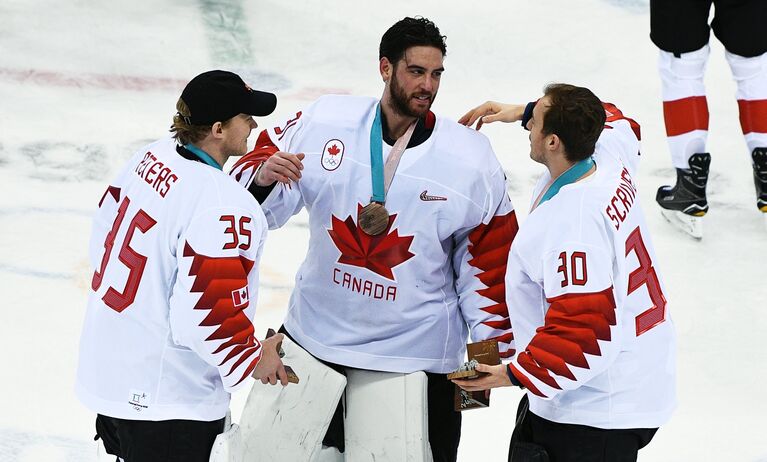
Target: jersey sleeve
x,y
215,292
479,262
282,201
580,335
621,137
244,170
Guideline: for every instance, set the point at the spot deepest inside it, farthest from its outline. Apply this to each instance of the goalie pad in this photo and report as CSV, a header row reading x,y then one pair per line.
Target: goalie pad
x,y
286,423
386,417
227,446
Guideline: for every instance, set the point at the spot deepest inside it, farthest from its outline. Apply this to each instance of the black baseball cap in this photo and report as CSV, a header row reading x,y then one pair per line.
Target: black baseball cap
x,y
217,96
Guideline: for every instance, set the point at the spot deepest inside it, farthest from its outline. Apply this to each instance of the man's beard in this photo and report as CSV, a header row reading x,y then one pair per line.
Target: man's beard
x,y
400,100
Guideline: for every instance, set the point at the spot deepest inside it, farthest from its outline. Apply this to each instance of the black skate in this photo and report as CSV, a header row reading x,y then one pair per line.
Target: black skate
x,y
685,203
759,156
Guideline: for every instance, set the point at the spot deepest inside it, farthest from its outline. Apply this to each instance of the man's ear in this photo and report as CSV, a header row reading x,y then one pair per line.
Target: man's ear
x,y
554,142
386,68
217,130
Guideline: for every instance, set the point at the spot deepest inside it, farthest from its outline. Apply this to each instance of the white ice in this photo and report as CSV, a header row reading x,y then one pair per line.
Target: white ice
x,y
83,83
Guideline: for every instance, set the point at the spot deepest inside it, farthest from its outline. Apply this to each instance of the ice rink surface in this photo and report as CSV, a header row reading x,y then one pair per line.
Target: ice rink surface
x,y
84,83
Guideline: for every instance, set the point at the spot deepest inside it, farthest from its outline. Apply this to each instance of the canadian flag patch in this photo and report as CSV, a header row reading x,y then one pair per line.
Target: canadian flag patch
x,y
332,154
240,297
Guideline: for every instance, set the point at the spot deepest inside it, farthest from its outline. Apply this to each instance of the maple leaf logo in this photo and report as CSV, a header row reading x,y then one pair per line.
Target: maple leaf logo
x,y
333,150
380,254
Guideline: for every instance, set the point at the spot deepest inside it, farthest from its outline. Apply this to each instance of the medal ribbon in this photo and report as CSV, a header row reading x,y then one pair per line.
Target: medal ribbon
x,y
204,156
570,175
382,176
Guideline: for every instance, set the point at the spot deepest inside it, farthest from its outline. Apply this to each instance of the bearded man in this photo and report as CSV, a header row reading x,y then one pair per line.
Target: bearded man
x,y
410,226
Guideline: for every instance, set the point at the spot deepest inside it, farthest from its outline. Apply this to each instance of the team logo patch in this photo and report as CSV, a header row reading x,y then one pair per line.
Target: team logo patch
x,y
240,297
332,155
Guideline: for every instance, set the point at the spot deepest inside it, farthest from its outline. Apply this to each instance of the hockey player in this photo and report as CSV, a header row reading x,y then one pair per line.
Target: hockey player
x,y
175,246
680,29
595,342
399,269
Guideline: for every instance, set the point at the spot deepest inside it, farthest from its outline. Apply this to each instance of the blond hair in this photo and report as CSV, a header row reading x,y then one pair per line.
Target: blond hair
x,y
183,131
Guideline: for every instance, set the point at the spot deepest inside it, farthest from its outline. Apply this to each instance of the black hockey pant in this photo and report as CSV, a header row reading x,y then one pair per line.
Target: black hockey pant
x,y
536,439
160,441
681,26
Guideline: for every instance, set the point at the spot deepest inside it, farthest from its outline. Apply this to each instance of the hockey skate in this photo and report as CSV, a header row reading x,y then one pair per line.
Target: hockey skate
x,y
684,204
759,157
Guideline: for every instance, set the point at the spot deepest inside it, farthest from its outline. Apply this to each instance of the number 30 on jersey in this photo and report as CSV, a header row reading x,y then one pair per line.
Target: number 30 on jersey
x,y
573,268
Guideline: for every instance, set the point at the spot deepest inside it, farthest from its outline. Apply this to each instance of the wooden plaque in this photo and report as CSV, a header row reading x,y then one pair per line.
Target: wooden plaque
x,y
482,352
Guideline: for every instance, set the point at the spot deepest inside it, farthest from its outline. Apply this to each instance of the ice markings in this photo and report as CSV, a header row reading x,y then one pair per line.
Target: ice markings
x,y
23,446
43,210
35,273
229,43
633,6
62,161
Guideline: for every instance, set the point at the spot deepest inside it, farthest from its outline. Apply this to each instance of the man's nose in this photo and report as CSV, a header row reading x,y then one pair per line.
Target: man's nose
x,y
428,83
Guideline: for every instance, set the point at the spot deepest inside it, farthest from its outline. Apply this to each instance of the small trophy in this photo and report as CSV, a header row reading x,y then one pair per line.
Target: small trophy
x,y
485,352
292,377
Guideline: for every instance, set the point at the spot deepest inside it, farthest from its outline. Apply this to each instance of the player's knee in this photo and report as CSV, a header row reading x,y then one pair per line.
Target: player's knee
x,y
745,68
685,66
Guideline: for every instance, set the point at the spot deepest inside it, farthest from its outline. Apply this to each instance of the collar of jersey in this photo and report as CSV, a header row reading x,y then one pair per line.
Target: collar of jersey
x,y
570,175
202,155
424,127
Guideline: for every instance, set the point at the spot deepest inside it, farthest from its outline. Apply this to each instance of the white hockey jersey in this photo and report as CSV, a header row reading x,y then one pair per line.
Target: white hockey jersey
x,y
595,340
400,301
168,331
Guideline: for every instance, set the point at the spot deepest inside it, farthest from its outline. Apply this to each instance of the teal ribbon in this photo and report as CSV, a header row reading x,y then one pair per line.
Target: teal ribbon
x,y
204,156
376,158
569,176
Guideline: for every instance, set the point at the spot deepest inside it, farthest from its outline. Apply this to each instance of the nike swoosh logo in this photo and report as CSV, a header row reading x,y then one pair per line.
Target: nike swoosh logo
x,y
426,197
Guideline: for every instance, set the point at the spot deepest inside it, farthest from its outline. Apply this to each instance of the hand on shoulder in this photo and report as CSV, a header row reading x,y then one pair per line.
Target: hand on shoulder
x,y
492,111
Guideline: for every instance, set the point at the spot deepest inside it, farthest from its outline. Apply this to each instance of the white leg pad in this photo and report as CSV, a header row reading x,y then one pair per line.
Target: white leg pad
x,y
228,446
329,454
386,417
288,423
751,77
683,77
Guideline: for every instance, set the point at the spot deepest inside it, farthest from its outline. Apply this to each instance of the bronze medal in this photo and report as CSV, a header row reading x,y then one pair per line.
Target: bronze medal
x,y
373,218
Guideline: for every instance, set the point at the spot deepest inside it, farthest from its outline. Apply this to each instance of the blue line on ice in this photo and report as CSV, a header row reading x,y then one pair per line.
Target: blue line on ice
x,y
35,273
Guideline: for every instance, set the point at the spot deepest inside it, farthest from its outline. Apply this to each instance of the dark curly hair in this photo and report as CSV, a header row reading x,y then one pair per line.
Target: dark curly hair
x,y
576,116
410,32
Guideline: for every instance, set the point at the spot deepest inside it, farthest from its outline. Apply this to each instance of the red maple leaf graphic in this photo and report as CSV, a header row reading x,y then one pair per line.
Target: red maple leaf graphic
x,y
216,278
333,150
380,254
